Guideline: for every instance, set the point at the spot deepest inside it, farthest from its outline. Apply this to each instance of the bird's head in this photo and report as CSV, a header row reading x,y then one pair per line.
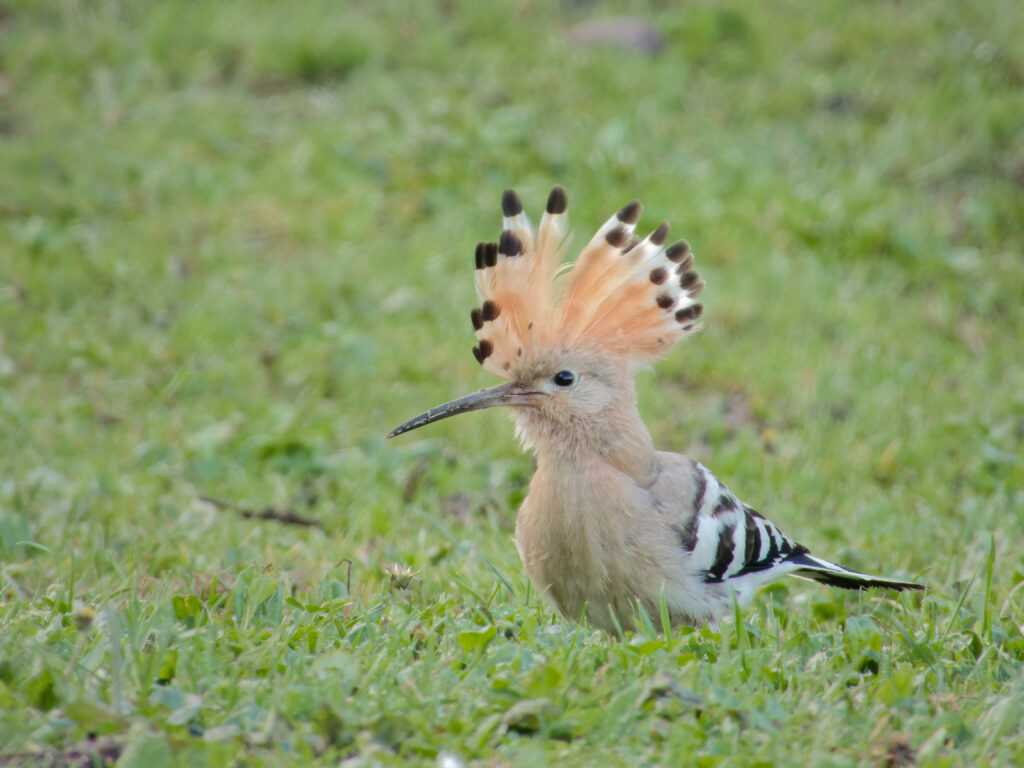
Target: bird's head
x,y
569,347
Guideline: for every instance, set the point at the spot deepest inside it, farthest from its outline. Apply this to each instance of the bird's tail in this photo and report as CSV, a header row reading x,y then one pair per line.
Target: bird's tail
x,y
816,569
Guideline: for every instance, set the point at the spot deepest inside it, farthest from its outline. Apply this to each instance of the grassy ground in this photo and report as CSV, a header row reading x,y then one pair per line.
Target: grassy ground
x,y
235,248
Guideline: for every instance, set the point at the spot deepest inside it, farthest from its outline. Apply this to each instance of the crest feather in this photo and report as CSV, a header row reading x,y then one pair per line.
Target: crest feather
x,y
624,296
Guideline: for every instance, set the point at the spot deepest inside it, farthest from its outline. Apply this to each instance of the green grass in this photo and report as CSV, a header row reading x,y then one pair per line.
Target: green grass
x,y
235,249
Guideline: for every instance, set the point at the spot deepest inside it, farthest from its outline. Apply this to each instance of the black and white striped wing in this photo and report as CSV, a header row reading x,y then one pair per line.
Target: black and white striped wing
x,y
730,542
727,539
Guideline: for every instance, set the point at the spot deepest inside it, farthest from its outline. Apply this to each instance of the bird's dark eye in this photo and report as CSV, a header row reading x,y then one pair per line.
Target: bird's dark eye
x,y
564,378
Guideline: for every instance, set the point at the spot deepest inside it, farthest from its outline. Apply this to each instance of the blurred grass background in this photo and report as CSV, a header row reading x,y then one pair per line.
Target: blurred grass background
x,y
235,249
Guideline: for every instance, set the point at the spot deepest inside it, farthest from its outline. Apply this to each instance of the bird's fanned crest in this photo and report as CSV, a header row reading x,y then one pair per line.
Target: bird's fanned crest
x,y
625,296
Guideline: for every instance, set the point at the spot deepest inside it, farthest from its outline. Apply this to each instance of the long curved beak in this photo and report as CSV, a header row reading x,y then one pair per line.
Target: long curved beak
x,y
503,394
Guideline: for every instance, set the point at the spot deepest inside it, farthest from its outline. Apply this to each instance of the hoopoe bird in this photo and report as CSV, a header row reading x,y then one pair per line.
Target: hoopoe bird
x,y
610,522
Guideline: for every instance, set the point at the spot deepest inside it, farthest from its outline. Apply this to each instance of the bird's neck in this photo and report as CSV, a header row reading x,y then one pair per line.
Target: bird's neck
x,y
631,451
620,441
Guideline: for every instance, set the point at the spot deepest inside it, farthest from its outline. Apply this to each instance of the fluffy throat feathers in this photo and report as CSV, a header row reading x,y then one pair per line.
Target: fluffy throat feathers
x,y
626,297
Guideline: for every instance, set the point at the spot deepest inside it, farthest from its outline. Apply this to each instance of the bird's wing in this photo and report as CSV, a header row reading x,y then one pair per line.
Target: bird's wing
x,y
730,542
727,539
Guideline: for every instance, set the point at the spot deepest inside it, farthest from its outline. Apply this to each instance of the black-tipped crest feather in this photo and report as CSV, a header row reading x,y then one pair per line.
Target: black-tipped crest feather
x,y
630,212
557,201
660,235
510,244
490,254
511,205
489,311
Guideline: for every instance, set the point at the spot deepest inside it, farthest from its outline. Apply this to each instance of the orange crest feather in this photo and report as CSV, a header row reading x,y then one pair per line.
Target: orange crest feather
x,y
624,296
